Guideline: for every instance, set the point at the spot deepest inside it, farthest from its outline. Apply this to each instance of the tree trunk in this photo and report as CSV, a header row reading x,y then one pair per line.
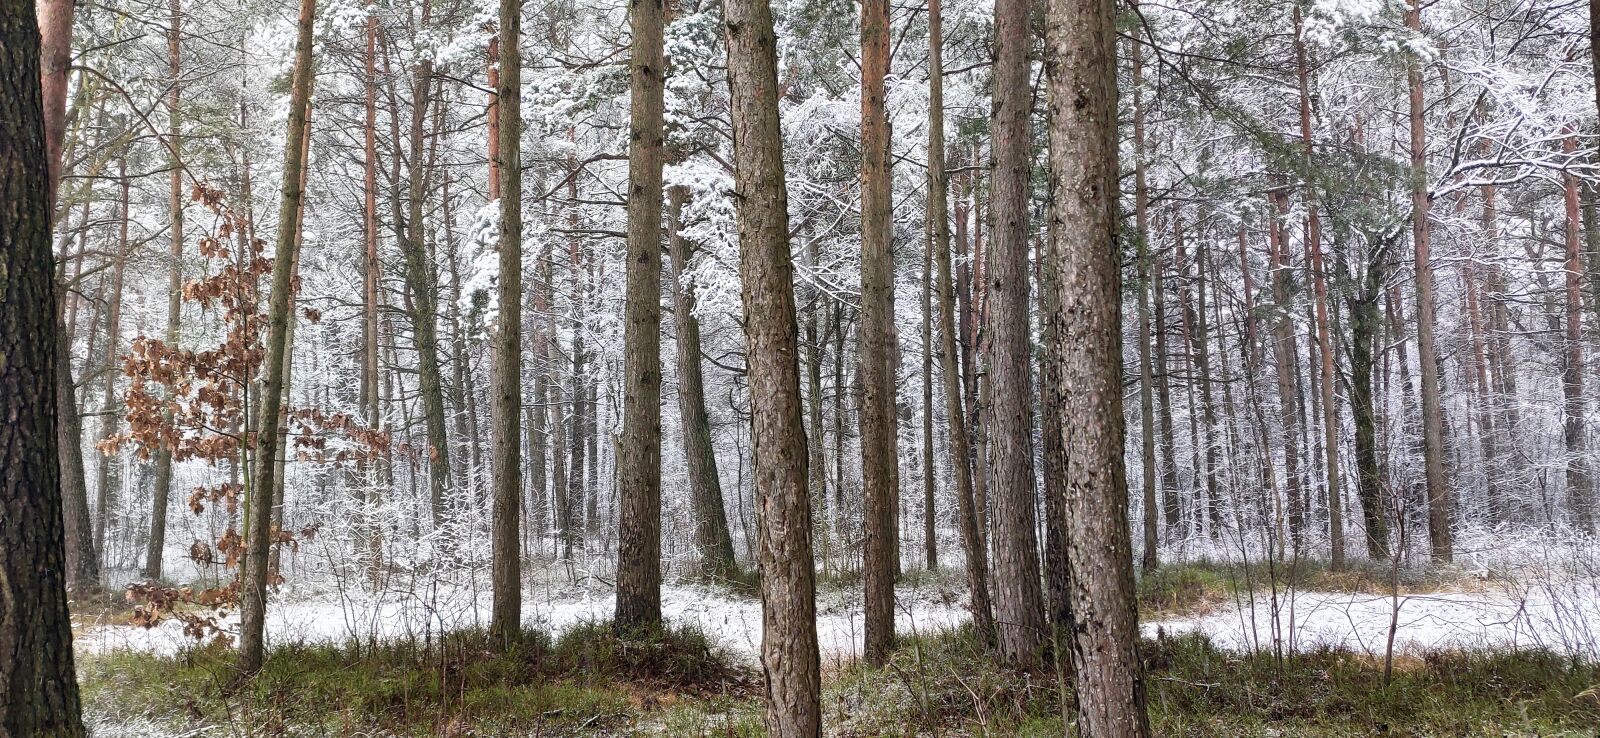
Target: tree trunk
x,y
1438,490
1019,602
712,539
1080,59
639,457
258,506
1285,353
1170,506
788,593
505,618
423,284
1141,214
38,687
1580,485
976,557
108,405
1330,414
371,406
879,452
1364,328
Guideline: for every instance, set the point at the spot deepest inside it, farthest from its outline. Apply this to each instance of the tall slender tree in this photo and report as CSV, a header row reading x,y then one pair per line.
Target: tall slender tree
x,y
505,621
1438,489
789,654
258,506
879,452
1018,598
639,540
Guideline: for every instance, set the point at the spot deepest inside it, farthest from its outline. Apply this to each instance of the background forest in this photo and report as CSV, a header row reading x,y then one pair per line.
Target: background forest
x,y
1346,428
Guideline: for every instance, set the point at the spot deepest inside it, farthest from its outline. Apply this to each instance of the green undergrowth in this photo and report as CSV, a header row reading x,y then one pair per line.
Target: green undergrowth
x,y
946,685
592,681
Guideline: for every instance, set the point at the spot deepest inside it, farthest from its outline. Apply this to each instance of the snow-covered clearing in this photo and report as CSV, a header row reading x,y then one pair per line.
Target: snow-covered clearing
x,y
734,619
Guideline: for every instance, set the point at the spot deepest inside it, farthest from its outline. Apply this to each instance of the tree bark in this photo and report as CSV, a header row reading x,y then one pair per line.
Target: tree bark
x,y
1080,60
38,686
1019,601
789,655
639,457
1330,414
258,506
1285,353
879,452
505,618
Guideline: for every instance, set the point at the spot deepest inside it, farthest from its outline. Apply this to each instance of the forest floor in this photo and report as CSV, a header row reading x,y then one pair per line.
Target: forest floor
x,y
1479,649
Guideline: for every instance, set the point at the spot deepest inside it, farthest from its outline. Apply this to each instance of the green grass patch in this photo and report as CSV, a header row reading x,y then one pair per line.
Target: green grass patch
x,y
948,685
592,681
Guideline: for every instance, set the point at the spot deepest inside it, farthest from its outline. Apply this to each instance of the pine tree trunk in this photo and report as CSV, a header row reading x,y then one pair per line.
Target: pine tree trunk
x,y
1141,214
37,680
1438,490
1330,414
258,506
1364,328
109,415
788,593
713,541
424,289
1080,60
505,623
1019,602
639,456
1580,485
879,452
976,557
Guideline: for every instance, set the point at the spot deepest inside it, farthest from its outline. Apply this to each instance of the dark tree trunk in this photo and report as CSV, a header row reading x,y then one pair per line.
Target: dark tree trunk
x,y
38,687
977,558
879,452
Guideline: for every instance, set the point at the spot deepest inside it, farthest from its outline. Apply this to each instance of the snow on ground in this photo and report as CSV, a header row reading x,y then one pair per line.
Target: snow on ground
x,y
731,618
1565,620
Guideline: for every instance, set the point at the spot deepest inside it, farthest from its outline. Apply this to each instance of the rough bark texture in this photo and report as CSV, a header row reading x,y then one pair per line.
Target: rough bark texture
x,y
712,538
976,559
38,686
1364,328
879,454
789,655
1438,490
639,459
1018,599
1080,60
258,506
505,618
